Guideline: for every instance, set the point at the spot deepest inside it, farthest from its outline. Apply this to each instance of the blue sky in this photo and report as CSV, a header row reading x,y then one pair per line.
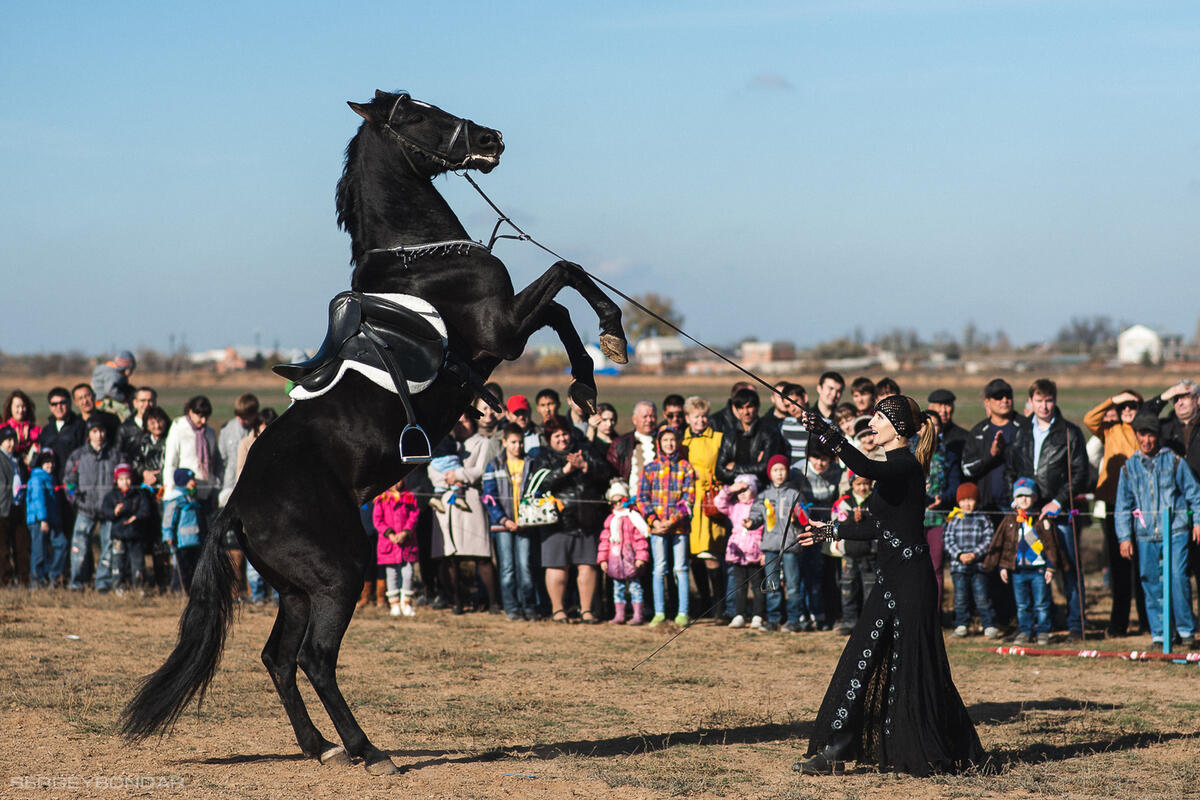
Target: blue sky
x,y
783,170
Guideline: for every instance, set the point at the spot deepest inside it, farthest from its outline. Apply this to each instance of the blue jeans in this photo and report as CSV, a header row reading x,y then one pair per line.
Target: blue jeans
x,y
260,590
678,543
1150,563
1070,583
1033,598
634,588
81,550
516,576
47,554
971,583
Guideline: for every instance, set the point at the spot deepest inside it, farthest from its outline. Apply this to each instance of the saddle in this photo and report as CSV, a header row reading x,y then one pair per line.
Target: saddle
x,y
398,342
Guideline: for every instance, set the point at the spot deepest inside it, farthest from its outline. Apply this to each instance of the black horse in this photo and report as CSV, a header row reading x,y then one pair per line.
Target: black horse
x,y
295,507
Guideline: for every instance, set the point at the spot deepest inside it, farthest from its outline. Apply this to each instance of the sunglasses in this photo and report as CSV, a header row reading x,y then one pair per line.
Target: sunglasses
x,y
1129,406
58,403
1001,396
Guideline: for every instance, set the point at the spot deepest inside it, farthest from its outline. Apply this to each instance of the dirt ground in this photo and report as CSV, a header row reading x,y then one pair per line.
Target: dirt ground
x,y
476,706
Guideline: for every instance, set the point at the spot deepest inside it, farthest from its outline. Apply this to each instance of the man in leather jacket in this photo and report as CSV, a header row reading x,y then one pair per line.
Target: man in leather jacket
x,y
747,449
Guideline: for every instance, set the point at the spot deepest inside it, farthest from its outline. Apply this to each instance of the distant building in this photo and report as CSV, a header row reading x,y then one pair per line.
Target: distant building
x,y
659,353
1139,345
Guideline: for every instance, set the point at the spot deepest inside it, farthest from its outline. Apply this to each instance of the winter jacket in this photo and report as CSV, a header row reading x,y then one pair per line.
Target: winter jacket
x,y
232,433
1149,485
1057,476
395,511
777,509
180,451
63,441
91,473
744,545
148,454
1120,442
498,489
986,470
623,543
1002,552
10,483
749,451
581,493
42,503
620,457
967,533
184,522
136,503
27,434
858,536
667,492
1176,436
701,452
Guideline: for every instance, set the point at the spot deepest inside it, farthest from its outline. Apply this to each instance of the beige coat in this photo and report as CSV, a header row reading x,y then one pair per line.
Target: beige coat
x,y
462,532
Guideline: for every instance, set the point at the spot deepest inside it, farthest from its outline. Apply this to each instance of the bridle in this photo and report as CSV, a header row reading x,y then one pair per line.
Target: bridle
x,y
439,157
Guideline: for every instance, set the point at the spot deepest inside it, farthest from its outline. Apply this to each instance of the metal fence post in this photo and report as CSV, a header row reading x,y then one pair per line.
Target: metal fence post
x,y
1166,579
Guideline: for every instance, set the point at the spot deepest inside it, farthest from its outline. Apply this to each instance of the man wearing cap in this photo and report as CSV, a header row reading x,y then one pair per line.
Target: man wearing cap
x,y
941,402
1153,480
520,414
89,476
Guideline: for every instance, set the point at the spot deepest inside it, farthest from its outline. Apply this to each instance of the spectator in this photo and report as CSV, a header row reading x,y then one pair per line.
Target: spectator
x,y
723,421
968,534
111,379
749,446
666,497
777,510
862,392
987,443
818,479
128,510
1051,450
90,472
623,552
791,428
941,485
843,416
44,518
1119,443
185,525
864,441
15,542
547,403
148,449
602,426
395,518
954,437
242,426
743,553
256,584
63,433
858,551
1180,431
1025,549
885,387
192,444
505,483
19,414
85,400
673,414
1153,480
519,414
577,478
708,533
829,392
144,399
631,452
490,426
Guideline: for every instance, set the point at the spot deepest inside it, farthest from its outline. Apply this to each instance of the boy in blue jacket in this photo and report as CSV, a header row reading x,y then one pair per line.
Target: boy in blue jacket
x,y
44,517
185,526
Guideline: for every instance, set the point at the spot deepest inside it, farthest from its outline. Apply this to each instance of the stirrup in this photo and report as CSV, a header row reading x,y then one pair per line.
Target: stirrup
x,y
424,451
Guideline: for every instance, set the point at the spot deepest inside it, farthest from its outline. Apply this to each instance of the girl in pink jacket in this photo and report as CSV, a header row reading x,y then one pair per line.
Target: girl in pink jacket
x,y
743,550
395,517
623,550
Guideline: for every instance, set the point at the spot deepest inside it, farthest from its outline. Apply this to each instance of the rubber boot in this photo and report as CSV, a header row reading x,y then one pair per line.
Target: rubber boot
x,y
639,614
368,594
381,594
619,616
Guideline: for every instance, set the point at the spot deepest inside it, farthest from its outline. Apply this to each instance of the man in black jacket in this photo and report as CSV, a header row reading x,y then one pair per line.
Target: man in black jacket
x,y
747,449
987,444
1052,452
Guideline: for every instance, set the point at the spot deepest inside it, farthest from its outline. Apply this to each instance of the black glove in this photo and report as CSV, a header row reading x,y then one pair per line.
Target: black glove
x,y
828,437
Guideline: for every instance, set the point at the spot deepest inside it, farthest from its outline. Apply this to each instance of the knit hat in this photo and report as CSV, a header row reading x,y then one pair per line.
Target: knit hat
x,y
95,422
126,359
122,469
780,459
518,402
750,480
183,475
45,455
1025,487
617,489
7,433
898,412
861,425
966,491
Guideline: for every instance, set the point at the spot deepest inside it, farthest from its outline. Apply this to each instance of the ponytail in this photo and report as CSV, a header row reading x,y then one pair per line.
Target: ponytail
x,y
927,443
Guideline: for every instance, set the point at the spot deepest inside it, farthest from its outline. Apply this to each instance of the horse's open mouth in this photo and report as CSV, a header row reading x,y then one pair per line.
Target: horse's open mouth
x,y
484,162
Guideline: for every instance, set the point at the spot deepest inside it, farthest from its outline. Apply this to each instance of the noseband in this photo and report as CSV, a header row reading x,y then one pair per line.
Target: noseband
x,y
439,157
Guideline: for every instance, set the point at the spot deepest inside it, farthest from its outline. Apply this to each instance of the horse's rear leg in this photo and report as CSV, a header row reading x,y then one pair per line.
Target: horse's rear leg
x,y
330,615
279,657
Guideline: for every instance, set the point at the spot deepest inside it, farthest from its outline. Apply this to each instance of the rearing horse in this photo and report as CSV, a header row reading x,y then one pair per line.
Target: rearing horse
x,y
295,507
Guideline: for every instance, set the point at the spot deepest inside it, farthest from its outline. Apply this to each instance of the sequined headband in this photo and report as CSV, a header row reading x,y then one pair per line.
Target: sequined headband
x,y
898,412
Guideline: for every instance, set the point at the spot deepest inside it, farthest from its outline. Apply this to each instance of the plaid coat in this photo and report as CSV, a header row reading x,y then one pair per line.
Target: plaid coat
x,y
668,492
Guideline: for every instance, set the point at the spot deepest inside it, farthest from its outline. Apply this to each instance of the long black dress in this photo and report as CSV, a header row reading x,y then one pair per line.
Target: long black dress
x,y
892,691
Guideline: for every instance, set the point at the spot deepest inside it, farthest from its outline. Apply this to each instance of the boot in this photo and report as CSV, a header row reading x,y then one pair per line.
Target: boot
x,y
406,606
394,606
367,596
639,614
830,761
381,594
619,616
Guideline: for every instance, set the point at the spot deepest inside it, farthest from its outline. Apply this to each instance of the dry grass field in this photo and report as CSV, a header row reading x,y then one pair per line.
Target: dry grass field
x,y
475,706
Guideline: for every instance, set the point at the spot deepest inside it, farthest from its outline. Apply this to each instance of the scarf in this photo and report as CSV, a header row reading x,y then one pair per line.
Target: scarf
x,y
202,454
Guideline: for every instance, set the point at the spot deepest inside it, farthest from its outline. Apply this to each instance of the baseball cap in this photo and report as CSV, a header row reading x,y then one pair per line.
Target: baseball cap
x,y
518,402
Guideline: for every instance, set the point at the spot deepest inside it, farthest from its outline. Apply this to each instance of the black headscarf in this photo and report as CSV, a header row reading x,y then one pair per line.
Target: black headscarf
x,y
898,411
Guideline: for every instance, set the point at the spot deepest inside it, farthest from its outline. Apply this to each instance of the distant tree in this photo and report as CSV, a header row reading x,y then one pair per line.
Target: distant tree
x,y
639,325
1086,334
970,337
841,347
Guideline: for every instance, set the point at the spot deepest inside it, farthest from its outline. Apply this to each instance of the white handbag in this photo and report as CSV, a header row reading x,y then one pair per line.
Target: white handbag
x,y
534,511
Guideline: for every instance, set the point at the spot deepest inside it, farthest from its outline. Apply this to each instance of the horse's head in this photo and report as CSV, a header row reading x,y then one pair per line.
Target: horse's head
x,y
432,140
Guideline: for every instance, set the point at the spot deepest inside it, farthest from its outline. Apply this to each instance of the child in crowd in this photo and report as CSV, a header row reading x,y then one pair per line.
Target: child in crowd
x,y
395,517
623,551
1026,551
44,517
777,509
665,498
129,510
445,470
967,537
743,549
818,484
858,553
184,527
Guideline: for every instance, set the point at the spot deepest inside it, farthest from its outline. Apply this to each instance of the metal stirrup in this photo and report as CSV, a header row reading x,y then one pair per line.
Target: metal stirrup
x,y
425,450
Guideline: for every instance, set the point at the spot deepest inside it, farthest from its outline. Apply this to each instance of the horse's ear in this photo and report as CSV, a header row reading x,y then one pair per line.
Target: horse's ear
x,y
360,109
380,94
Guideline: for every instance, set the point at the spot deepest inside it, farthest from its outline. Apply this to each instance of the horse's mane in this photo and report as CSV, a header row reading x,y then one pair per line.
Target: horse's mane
x,y
346,196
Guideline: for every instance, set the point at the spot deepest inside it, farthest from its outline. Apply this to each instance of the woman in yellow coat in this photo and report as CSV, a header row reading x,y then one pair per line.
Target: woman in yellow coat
x,y
707,540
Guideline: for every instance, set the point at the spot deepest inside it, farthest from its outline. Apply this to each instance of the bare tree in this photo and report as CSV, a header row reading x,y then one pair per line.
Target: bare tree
x,y
639,325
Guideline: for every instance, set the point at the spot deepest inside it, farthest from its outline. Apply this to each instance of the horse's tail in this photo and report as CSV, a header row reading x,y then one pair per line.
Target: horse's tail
x,y
189,669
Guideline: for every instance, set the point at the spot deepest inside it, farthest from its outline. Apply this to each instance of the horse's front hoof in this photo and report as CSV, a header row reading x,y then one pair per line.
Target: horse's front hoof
x,y
584,396
615,348
335,756
382,767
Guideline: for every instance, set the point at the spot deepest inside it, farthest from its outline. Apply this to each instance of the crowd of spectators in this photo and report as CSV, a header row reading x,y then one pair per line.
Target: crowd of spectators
x,y
539,514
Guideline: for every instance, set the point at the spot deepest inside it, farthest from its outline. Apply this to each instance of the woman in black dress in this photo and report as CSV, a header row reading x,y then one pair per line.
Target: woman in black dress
x,y
891,700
